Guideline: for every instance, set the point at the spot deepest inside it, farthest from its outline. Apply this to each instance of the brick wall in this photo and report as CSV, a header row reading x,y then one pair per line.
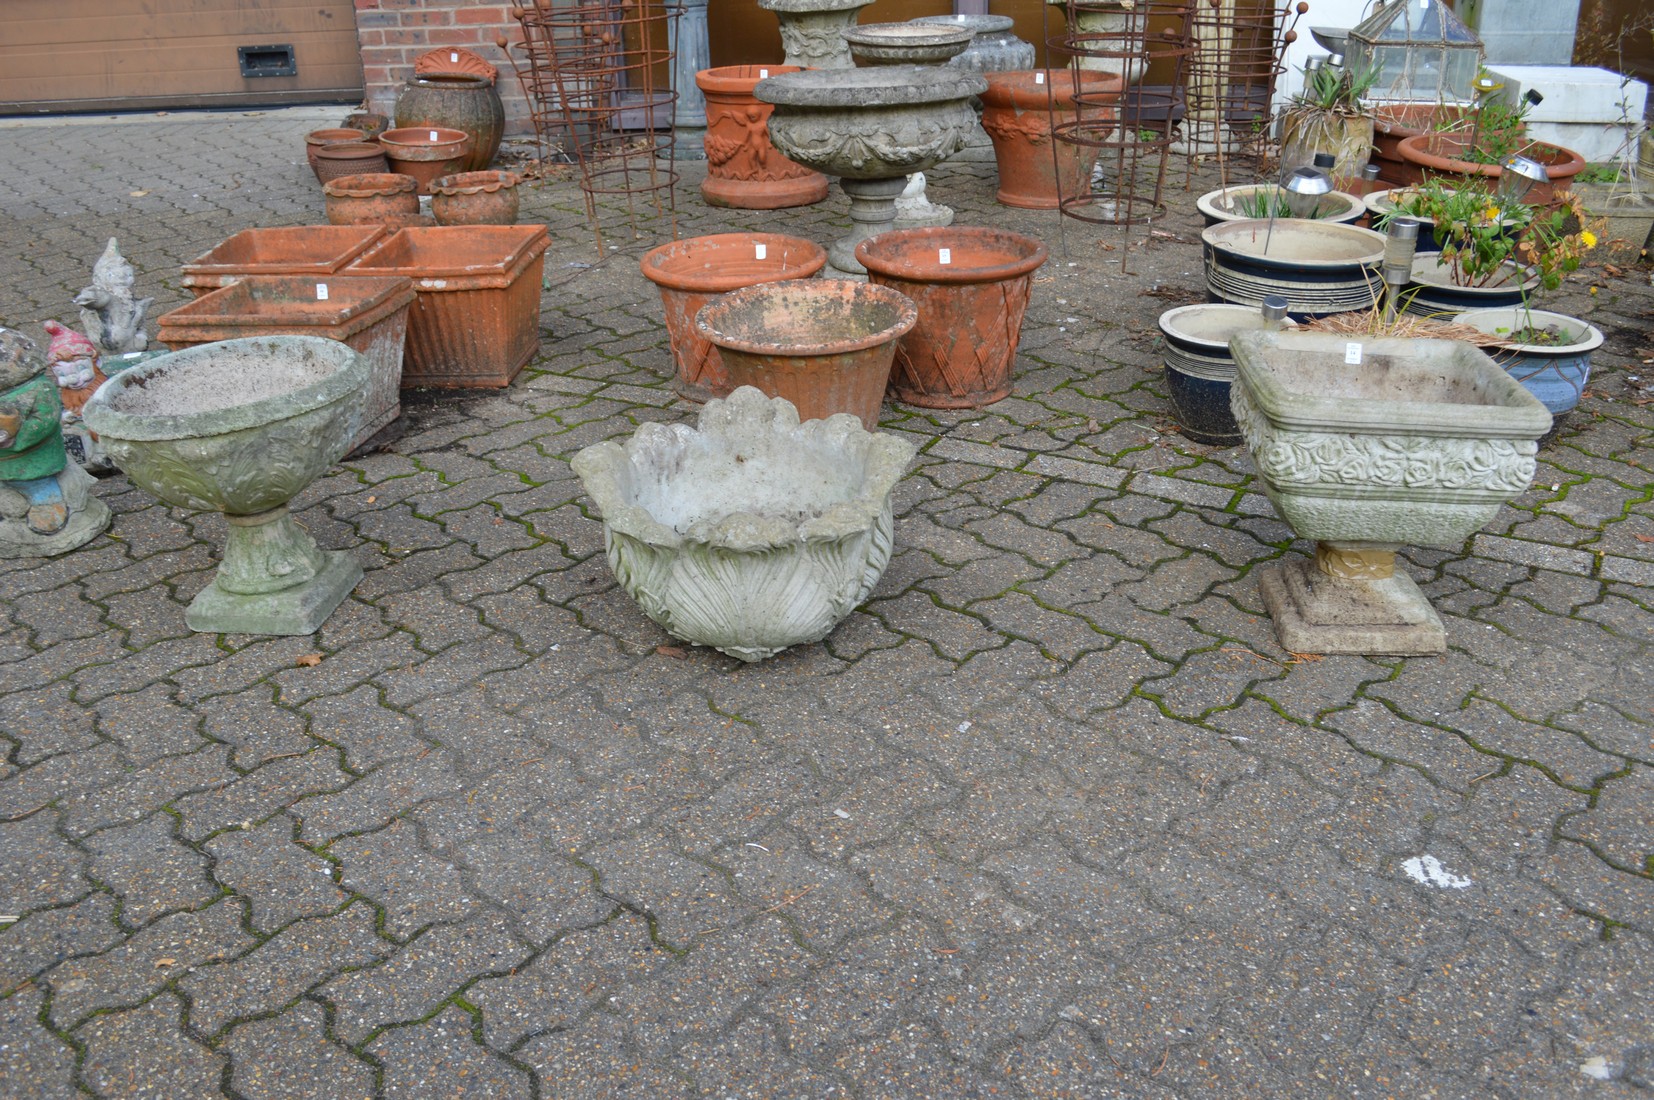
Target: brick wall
x,y
394,32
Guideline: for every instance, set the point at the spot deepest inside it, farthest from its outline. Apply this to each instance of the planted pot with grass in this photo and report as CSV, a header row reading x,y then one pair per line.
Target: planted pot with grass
x,y
1267,200
1328,116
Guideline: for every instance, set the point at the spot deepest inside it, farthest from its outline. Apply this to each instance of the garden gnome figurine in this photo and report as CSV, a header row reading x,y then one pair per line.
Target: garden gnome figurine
x,y
46,506
74,364
108,313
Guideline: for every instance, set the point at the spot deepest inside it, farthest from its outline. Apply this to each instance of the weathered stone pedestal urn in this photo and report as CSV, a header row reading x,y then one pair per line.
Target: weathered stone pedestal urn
x,y
750,532
1417,444
870,127
810,30
241,427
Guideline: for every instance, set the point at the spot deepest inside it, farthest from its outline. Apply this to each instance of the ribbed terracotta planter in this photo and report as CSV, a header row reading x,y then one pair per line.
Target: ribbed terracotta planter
x,y
475,198
463,101
476,319
349,158
369,314
1398,121
1017,112
743,169
315,139
1436,157
692,272
971,287
370,199
826,345
426,152
310,250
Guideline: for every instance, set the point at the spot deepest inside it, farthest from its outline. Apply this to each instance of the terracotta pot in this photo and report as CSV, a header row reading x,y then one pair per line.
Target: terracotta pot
x,y
349,158
456,101
1306,131
824,344
1433,293
743,169
1393,123
960,353
309,250
692,272
370,199
475,198
1437,155
426,153
315,139
1017,112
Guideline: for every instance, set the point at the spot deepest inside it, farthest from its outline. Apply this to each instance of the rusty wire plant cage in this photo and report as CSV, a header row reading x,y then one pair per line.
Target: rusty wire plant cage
x,y
598,79
1239,48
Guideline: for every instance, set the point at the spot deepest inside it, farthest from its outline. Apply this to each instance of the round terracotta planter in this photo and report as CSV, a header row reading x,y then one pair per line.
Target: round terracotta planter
x,y
370,199
1433,293
425,152
349,158
960,353
467,102
1436,155
475,198
743,169
692,272
315,139
1398,121
1017,112
826,345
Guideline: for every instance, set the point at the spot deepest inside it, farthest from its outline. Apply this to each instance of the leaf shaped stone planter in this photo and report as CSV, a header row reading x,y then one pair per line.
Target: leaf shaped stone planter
x,y
750,532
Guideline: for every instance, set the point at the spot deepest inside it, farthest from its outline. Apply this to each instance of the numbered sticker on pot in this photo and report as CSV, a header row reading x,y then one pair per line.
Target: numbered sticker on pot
x,y
763,74
1039,78
1352,354
944,255
321,292
433,135
453,57
760,250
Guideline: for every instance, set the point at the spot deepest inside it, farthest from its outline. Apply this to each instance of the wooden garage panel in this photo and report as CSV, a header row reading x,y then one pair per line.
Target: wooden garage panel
x,y
110,54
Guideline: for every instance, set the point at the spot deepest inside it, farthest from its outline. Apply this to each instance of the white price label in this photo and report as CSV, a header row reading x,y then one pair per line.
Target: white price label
x,y
944,255
763,74
433,135
761,250
1352,354
1039,78
453,57
321,292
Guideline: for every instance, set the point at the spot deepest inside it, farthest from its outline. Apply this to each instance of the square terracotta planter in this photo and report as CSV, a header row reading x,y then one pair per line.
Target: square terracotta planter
x,y
290,250
368,314
476,318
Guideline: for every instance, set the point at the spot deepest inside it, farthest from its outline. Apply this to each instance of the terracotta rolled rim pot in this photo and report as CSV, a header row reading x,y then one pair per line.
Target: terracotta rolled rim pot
x,y
417,143
1433,154
693,271
976,254
371,184
315,139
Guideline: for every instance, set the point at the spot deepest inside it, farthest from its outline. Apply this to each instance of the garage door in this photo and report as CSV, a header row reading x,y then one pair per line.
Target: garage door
x,y
68,55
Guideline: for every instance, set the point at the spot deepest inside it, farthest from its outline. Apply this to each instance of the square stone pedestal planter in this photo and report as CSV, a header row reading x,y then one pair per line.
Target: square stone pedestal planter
x,y
368,313
311,250
476,315
1416,444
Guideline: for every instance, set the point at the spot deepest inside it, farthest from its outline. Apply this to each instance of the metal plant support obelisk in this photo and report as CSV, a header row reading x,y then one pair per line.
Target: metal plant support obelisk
x,y
1237,58
599,83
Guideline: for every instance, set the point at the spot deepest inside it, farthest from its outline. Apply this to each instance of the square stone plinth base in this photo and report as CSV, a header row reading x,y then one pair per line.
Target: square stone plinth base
x,y
1315,613
298,610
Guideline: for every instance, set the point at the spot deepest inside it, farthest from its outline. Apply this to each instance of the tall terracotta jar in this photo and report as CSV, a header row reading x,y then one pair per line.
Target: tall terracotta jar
x,y
456,101
1017,111
971,286
742,168
690,273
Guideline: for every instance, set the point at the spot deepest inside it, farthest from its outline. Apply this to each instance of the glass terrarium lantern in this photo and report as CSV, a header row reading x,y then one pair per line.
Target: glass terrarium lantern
x,y
1421,51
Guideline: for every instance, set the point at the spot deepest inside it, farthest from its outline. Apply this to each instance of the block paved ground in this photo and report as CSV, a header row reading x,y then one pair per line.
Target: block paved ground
x,y
1052,815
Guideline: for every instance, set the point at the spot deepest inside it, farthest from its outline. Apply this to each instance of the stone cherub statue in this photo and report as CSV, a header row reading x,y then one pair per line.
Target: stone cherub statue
x,y
108,312
46,504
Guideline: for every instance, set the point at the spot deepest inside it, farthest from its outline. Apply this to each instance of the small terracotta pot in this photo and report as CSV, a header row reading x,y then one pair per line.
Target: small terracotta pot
x,y
960,354
425,152
349,158
370,199
315,139
476,198
1017,112
743,169
1437,155
691,272
823,344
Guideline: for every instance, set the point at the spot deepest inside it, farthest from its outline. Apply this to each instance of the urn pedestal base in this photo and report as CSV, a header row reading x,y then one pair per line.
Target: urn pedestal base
x,y
300,609
1369,610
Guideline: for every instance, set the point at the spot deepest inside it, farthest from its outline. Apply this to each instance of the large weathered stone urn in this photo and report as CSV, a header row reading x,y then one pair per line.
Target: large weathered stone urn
x,y
810,30
241,427
870,127
750,532
1416,444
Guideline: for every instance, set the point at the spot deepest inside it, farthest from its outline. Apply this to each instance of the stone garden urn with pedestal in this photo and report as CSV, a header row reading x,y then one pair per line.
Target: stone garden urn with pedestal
x,y
1366,447
241,427
810,30
749,532
870,127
